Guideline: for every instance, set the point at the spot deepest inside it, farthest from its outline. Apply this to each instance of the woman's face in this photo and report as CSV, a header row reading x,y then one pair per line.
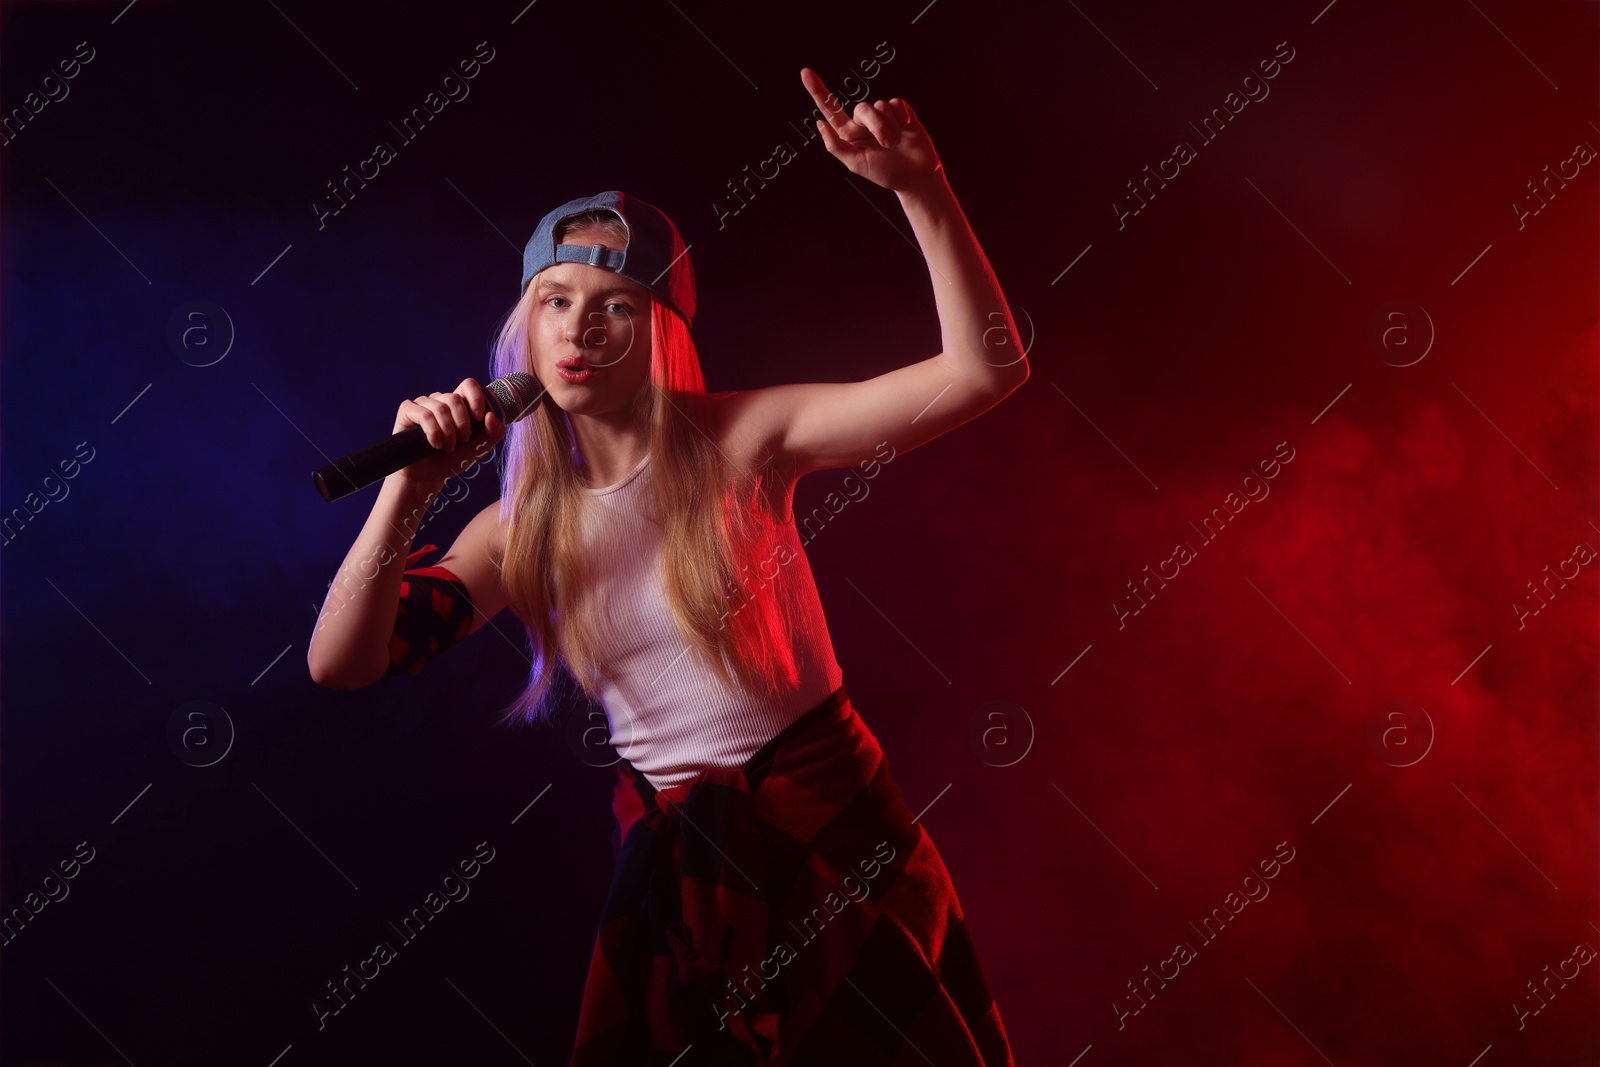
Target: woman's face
x,y
596,316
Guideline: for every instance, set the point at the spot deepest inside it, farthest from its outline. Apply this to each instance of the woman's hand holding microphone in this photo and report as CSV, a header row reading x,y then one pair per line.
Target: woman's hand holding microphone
x,y
447,419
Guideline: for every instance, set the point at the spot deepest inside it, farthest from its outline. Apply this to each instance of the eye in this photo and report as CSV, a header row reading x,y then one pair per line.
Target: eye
x,y
618,308
554,298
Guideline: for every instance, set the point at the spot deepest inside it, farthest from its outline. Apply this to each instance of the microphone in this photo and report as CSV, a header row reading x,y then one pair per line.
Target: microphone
x,y
510,397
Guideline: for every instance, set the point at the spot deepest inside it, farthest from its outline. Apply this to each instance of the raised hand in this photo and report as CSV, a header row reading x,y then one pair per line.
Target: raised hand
x,y
883,141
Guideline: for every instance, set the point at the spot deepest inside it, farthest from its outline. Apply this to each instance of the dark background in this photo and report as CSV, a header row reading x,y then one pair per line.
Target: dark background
x,y
1232,714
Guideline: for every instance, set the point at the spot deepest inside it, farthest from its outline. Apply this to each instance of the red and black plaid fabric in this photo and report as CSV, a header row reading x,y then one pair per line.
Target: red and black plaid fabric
x,y
435,611
787,912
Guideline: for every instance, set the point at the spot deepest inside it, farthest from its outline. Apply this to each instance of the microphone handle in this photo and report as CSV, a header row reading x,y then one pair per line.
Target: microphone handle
x,y
361,468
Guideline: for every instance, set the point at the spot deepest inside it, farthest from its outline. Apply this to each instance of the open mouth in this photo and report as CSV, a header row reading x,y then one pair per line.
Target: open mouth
x,y
574,369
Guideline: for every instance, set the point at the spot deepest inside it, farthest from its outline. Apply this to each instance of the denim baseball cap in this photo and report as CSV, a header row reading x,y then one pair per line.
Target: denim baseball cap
x,y
654,255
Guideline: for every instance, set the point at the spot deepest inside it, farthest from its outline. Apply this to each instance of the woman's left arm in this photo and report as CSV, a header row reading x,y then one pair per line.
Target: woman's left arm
x,y
826,425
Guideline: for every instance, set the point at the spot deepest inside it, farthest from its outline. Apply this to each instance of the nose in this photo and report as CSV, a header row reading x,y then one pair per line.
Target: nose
x,y
592,334
580,336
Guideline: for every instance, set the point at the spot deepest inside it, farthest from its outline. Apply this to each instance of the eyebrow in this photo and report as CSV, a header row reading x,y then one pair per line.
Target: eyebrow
x,y
612,291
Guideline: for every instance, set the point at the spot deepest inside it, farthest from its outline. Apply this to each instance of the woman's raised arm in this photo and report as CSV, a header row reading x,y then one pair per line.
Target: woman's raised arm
x,y
817,426
350,647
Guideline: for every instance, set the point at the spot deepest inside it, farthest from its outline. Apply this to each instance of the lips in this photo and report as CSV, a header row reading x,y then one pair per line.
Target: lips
x,y
574,369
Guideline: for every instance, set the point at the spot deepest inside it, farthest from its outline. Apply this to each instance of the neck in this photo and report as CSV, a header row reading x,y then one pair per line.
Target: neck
x,y
608,446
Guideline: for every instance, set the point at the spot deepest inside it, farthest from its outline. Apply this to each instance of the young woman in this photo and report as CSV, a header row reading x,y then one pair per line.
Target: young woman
x,y
773,901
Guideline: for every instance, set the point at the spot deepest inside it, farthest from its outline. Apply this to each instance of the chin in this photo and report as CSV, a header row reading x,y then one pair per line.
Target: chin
x,y
578,403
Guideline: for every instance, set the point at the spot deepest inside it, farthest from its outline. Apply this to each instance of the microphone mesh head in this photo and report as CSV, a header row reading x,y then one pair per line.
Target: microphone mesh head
x,y
514,395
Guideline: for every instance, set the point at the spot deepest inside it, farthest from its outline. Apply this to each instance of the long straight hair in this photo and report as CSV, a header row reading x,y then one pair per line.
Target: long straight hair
x,y
714,519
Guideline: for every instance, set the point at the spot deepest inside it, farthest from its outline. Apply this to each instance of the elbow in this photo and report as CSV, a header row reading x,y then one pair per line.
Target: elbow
x,y
336,676
1004,381
340,681
996,381
327,678
1022,375
329,681
320,670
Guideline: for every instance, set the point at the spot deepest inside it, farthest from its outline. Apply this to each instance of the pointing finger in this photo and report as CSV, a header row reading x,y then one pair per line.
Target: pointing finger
x,y
831,106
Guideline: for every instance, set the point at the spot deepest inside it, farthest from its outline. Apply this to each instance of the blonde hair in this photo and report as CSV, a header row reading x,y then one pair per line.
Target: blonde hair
x,y
714,521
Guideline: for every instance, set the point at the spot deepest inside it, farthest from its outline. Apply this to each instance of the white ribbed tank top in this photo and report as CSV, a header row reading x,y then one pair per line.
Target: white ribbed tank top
x,y
668,715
